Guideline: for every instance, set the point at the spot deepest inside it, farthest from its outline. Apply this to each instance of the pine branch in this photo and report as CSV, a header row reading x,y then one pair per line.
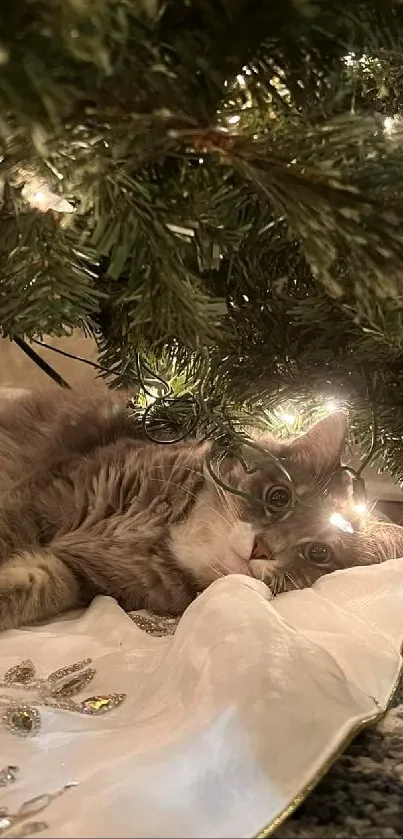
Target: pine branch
x,y
274,246
58,291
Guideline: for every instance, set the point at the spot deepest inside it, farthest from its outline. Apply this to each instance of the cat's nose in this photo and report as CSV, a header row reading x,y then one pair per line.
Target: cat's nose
x,y
261,549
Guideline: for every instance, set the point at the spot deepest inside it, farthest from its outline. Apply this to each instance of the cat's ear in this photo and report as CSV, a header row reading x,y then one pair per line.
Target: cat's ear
x,y
321,448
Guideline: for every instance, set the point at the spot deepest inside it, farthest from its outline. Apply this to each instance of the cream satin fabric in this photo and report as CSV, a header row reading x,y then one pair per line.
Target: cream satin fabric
x,y
226,724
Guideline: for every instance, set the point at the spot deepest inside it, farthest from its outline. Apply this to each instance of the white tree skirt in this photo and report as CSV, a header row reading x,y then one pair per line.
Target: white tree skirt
x,y
226,724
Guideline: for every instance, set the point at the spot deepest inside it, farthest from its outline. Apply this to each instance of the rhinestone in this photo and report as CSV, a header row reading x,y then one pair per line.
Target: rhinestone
x,y
8,775
71,668
20,673
73,685
96,705
54,692
5,823
22,720
61,704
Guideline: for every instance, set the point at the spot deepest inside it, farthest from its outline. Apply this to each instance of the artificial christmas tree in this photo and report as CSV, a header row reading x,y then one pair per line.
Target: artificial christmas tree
x,y
216,186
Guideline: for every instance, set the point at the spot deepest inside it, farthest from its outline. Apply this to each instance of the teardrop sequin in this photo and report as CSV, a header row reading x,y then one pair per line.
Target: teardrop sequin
x,y
22,720
155,625
20,674
35,805
96,705
74,685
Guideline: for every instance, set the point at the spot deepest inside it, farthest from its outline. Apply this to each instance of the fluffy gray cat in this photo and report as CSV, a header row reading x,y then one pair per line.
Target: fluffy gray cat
x,y
87,509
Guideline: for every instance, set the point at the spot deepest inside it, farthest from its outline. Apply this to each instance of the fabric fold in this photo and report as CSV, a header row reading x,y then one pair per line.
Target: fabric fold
x,y
226,724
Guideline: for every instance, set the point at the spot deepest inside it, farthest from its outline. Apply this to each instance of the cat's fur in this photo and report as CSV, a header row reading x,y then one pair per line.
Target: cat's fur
x,y
87,509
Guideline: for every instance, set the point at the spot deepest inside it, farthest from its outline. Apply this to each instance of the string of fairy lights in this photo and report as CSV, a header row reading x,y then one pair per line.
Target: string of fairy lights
x,y
286,419
238,100
155,392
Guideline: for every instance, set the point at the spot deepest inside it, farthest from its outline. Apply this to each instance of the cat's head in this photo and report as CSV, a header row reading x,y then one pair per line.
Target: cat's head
x,y
297,536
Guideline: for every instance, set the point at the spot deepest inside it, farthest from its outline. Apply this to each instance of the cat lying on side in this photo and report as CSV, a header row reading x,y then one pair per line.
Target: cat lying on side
x,y
88,509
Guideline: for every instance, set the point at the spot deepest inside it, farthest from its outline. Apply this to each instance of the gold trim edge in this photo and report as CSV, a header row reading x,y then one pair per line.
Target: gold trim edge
x,y
303,794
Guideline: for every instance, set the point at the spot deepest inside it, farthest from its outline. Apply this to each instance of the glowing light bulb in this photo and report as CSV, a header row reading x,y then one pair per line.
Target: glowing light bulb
x,y
234,119
341,523
42,198
288,418
331,406
390,125
350,59
361,508
39,197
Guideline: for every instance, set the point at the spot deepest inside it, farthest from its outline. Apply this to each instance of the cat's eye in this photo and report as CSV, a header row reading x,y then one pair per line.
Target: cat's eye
x,y
278,499
318,552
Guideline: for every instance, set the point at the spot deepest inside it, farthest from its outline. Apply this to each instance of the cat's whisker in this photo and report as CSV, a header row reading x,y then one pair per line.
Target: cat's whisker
x,y
228,507
221,564
101,512
226,567
274,585
201,523
194,495
228,503
289,577
311,495
219,567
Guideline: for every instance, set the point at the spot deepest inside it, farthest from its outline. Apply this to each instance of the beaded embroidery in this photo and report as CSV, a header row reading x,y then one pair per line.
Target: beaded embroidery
x,y
159,627
19,825
54,691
